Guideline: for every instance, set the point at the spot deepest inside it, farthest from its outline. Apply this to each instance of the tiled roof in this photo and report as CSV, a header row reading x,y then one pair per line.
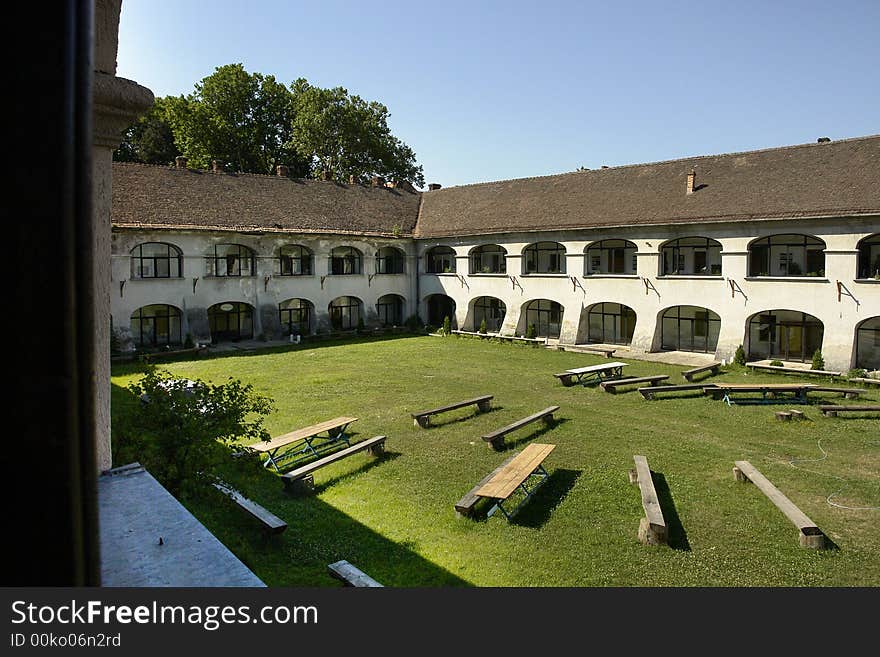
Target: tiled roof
x,y
148,196
837,178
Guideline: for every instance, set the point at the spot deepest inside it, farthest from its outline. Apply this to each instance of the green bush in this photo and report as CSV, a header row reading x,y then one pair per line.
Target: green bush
x,y
777,363
483,326
447,326
188,343
413,322
818,361
740,356
857,373
360,325
531,331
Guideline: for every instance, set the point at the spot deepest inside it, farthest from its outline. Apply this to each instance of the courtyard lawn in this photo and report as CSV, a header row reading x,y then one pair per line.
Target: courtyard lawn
x,y
394,518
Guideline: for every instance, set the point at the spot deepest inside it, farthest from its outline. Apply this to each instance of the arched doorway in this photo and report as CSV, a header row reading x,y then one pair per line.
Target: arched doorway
x,y
295,316
156,325
545,315
440,306
490,310
609,323
231,321
784,334
345,313
689,328
390,310
868,344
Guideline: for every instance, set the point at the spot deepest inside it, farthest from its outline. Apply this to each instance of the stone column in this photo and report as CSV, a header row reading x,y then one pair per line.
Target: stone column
x,y
117,104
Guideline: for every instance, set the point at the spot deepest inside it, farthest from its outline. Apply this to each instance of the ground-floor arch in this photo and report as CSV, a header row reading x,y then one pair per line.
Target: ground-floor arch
x,y
156,325
231,321
345,313
545,315
439,307
488,309
784,335
868,344
689,328
296,316
390,310
607,323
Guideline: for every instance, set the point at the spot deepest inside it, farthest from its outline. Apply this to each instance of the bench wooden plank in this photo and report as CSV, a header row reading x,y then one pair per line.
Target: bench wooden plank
x,y
849,393
302,434
713,367
793,370
350,575
649,393
496,438
508,478
269,520
611,386
466,504
831,410
865,381
422,417
810,535
653,530
371,444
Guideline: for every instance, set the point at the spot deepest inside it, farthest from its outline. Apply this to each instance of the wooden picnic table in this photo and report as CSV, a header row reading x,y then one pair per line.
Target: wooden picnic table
x,y
725,390
334,428
513,475
601,372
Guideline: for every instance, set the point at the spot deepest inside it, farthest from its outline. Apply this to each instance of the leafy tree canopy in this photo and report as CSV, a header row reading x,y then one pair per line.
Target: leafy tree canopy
x,y
150,140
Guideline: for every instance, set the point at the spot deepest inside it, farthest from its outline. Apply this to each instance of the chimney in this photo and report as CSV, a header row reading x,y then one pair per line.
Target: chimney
x,y
180,162
433,187
823,140
282,171
692,177
326,174
216,167
378,181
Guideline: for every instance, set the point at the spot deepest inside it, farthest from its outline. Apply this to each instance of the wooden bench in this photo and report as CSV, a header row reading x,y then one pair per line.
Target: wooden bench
x,y
334,428
792,370
513,475
351,576
496,438
611,386
467,504
769,392
809,535
832,411
608,353
652,528
650,393
516,338
848,393
603,372
423,418
302,479
272,523
711,367
865,381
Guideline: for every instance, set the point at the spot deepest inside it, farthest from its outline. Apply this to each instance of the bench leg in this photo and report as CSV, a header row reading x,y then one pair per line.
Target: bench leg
x,y
815,541
377,450
484,406
651,534
423,422
633,476
738,474
303,485
497,443
829,413
548,420
566,380
851,395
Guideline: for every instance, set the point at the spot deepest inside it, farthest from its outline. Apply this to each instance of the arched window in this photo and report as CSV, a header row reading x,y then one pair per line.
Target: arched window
x,y
868,344
345,312
440,260
544,258
345,260
294,260
390,310
784,334
691,256
156,326
545,316
231,321
488,259
869,257
231,260
439,307
787,255
610,323
389,260
295,316
490,310
610,257
156,260
689,328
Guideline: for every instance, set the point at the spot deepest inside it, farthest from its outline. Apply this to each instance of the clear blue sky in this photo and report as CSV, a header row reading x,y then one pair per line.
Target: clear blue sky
x,y
507,89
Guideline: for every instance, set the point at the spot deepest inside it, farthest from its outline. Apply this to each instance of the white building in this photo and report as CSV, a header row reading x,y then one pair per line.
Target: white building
x,y
777,250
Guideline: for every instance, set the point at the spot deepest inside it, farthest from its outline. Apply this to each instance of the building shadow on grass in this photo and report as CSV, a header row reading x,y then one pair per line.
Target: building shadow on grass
x,y
534,435
549,495
676,536
364,467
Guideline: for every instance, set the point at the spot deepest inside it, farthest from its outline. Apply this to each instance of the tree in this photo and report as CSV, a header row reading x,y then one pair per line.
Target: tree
x,y
150,140
243,120
349,137
740,356
182,429
818,360
483,327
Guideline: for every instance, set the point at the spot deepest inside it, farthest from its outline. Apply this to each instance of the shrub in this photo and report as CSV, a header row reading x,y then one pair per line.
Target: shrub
x,y
483,326
430,329
447,325
740,356
183,429
262,337
857,373
818,361
777,363
413,322
531,331
188,343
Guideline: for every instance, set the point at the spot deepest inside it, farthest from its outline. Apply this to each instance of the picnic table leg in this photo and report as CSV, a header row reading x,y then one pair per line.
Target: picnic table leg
x,y
271,459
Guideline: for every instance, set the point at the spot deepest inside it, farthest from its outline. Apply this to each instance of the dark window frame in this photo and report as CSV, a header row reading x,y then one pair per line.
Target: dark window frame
x,y
531,258
297,254
489,311
142,320
244,262
542,326
612,251
239,308
691,322
138,259
299,317
867,268
342,255
497,264
678,255
390,264
760,256
440,258
393,306
599,309
334,308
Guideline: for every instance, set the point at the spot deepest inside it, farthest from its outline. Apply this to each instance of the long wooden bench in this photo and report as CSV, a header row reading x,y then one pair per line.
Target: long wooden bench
x,y
652,392
351,576
832,411
608,353
467,504
423,418
496,438
302,479
792,370
525,466
652,528
611,386
770,392
848,393
272,523
711,367
809,535
865,381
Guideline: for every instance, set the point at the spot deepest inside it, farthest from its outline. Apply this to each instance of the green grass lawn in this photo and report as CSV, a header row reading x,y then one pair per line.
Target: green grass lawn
x,y
394,517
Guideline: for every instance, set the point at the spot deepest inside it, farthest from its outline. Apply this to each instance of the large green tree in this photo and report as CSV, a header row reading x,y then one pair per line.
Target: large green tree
x,y
347,136
150,140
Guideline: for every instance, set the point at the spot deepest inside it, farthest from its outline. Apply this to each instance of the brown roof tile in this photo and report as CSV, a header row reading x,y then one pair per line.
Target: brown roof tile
x,y
839,178
167,197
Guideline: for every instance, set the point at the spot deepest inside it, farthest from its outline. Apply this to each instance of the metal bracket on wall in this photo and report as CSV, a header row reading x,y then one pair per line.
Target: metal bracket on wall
x,y
370,279
514,283
576,284
463,281
322,281
843,291
266,282
734,288
195,280
650,286
121,285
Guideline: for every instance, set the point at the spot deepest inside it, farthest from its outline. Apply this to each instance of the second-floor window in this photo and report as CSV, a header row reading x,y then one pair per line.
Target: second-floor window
x,y
294,261
156,260
691,256
389,261
544,258
488,259
610,257
787,255
231,260
345,260
440,260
